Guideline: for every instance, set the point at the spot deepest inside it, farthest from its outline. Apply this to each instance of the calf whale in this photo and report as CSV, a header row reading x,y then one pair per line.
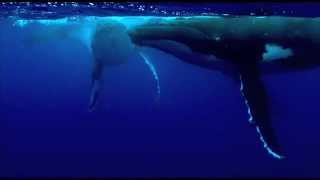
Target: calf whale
x,y
106,39
111,46
245,46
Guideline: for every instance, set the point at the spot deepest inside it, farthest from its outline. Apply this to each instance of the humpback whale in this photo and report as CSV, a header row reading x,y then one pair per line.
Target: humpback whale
x,y
242,47
245,46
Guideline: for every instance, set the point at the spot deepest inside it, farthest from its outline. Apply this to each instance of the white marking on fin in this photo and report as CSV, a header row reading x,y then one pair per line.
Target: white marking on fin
x,y
246,101
265,144
154,73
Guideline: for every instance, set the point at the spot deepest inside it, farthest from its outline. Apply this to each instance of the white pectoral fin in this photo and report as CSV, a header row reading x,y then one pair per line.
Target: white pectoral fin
x,y
154,74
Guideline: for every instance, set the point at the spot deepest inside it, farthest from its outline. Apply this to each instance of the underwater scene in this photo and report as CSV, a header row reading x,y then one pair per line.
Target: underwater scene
x,y
135,89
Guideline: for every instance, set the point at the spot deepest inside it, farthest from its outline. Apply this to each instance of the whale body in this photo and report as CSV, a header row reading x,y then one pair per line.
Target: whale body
x,y
241,46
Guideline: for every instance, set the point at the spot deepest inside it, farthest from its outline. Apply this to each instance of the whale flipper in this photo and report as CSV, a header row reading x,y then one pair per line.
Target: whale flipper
x,y
256,100
95,84
154,74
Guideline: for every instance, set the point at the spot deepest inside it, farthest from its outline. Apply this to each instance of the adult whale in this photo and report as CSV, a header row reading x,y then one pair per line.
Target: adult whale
x,y
247,46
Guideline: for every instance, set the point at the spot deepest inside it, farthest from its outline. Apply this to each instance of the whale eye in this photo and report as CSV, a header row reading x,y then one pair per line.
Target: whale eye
x,y
276,52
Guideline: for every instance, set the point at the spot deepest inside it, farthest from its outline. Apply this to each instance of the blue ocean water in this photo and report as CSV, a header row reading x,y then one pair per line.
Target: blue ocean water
x,y
199,128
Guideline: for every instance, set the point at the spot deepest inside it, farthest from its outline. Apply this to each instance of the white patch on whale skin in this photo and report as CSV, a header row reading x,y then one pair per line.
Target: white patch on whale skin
x,y
275,52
